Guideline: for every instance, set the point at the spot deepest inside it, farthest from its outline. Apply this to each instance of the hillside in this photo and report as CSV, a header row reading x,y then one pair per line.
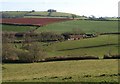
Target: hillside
x,y
40,14
98,46
86,26
37,14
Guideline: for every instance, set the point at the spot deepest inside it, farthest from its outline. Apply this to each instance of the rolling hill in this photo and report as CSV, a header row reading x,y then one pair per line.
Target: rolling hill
x,y
37,14
86,26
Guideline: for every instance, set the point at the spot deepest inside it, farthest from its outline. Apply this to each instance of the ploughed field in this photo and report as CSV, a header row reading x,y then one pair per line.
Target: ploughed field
x,y
32,21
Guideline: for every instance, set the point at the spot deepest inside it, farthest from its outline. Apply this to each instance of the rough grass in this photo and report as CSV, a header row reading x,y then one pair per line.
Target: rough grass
x,y
98,46
16,28
82,25
64,71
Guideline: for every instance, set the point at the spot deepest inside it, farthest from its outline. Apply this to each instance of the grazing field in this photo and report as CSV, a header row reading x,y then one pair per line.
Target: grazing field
x,y
98,46
86,26
14,13
48,14
13,28
45,13
64,71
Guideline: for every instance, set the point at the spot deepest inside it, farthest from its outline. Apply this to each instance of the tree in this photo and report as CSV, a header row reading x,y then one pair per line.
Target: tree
x,y
36,52
73,16
33,10
8,52
32,53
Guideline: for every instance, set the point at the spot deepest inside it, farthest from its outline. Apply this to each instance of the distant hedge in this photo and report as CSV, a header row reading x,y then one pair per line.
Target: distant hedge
x,y
70,58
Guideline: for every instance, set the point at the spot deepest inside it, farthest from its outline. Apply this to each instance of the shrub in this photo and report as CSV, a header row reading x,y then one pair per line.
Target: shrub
x,y
70,58
111,57
50,36
32,53
24,56
8,52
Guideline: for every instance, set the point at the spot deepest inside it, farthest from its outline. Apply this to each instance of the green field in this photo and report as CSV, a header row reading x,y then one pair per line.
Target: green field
x,y
67,71
13,28
46,14
39,13
83,25
98,46
15,13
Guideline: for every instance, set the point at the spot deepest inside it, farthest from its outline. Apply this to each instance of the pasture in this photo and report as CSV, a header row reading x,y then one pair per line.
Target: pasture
x,y
13,28
98,46
46,14
64,71
86,26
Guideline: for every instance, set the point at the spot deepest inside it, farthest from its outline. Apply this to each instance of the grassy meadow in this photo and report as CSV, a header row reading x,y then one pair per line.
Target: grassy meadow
x,y
45,13
13,28
98,46
86,26
64,71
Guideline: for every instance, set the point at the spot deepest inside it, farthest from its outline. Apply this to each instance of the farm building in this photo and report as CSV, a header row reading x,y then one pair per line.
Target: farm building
x,y
89,35
51,10
75,37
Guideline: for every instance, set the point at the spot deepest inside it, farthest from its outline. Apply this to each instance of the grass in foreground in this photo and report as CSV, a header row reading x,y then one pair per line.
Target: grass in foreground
x,y
64,71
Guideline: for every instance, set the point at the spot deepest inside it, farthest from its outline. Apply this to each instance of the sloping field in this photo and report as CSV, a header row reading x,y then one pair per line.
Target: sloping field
x,y
32,21
48,14
86,26
14,14
64,71
98,46
38,13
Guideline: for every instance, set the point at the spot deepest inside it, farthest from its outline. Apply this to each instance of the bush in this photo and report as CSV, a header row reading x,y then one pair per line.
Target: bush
x,y
50,36
111,57
70,58
24,56
8,52
32,53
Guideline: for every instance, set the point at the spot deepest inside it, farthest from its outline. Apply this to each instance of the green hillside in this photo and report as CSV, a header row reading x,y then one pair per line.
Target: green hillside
x,y
86,26
39,14
13,14
45,13
98,46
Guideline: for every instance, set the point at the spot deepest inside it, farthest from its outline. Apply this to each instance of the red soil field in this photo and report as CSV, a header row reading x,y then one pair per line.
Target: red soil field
x,y
32,21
